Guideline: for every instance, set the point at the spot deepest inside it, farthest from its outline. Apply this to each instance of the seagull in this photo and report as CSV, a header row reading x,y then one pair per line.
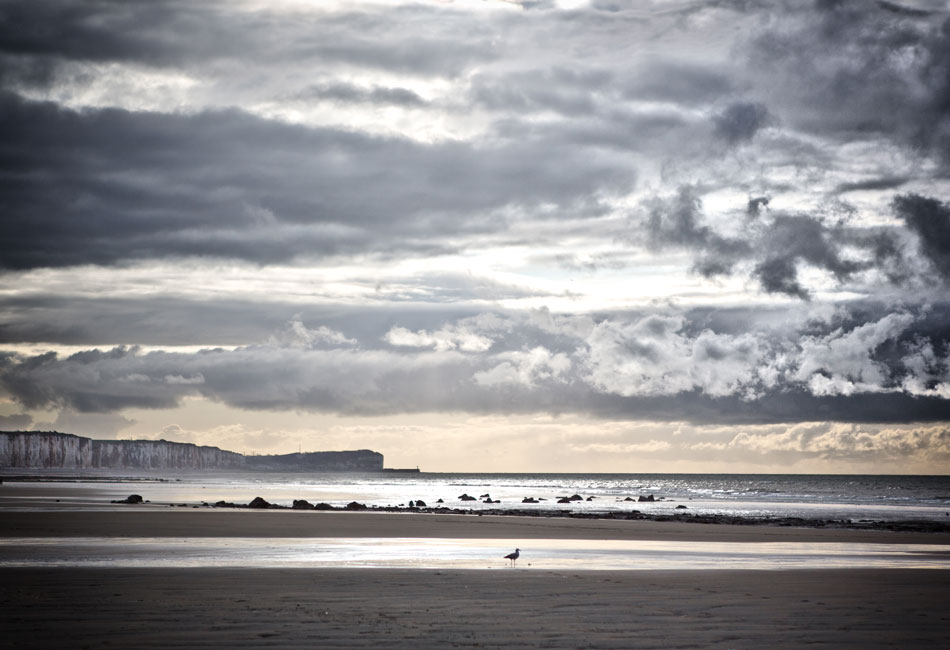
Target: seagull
x,y
513,556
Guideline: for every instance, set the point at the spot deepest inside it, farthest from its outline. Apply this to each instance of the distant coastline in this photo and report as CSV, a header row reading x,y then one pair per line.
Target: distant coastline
x,y
56,450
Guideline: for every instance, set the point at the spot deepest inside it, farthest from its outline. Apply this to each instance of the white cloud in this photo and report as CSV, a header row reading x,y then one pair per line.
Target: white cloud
x,y
175,433
447,338
526,367
299,335
842,363
503,373
673,364
927,373
654,356
185,381
322,334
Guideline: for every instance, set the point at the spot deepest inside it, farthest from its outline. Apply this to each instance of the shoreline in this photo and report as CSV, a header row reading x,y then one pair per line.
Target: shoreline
x,y
53,507
910,526
159,522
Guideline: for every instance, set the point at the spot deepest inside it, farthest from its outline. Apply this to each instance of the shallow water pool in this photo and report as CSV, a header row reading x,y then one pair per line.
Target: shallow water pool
x,y
440,553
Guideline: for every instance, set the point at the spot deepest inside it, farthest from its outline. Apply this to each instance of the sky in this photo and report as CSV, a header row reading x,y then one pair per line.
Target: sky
x,y
585,236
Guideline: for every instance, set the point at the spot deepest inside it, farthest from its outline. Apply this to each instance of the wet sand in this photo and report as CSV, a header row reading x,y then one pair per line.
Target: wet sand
x,y
167,522
343,608
424,608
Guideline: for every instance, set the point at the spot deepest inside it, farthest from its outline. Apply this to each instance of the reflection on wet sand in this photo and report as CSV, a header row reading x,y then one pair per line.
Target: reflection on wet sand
x,y
435,553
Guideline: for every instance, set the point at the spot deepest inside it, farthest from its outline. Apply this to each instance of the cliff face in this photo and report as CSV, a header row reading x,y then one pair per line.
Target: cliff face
x,y
19,449
159,454
64,450
362,460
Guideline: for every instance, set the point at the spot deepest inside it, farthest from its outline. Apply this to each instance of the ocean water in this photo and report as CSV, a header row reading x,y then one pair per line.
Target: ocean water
x,y
830,497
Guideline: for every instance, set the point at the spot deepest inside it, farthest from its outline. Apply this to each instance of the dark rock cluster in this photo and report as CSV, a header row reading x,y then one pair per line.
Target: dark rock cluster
x,y
132,498
420,506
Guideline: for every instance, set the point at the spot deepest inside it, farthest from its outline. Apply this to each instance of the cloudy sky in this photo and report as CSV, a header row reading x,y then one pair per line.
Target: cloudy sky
x,y
596,235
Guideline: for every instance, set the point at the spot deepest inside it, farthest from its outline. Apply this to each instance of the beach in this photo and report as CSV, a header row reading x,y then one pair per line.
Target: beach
x,y
420,609
526,606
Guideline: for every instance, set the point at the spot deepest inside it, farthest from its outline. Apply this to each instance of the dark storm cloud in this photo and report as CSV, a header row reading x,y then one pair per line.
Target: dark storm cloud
x,y
795,238
603,106
756,204
889,255
930,220
416,303
99,30
683,82
73,320
786,407
138,185
677,222
779,275
776,243
886,183
740,121
350,93
868,364
851,71
596,106
904,9
41,36
100,186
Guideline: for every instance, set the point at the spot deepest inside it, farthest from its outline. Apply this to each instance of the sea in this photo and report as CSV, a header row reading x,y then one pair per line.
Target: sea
x,y
826,497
